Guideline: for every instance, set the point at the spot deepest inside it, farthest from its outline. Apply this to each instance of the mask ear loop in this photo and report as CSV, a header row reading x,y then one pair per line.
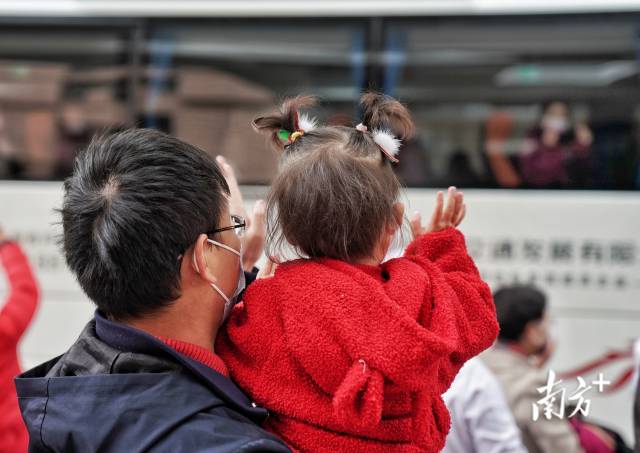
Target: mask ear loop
x,y
213,285
224,246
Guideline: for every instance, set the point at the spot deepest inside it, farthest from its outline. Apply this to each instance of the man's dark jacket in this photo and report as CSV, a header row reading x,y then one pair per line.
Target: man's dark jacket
x,y
119,389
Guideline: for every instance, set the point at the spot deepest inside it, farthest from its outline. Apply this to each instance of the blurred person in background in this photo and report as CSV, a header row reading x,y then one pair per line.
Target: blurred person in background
x,y
517,360
556,154
498,130
153,233
74,133
7,150
15,316
481,421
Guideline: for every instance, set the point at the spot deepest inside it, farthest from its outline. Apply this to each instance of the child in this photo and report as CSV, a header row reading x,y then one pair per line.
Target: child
x,y
347,352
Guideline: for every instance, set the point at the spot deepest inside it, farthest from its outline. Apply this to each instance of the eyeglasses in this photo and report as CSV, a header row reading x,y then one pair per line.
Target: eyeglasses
x,y
239,225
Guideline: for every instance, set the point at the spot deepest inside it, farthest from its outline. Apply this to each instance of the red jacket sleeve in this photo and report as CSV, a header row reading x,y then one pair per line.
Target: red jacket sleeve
x,y
20,306
458,296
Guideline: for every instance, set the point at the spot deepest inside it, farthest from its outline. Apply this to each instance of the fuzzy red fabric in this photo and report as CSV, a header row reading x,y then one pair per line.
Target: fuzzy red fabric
x,y
355,358
15,317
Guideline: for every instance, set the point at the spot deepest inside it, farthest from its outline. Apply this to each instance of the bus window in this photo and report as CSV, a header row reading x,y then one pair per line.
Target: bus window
x,y
518,101
206,82
201,80
59,84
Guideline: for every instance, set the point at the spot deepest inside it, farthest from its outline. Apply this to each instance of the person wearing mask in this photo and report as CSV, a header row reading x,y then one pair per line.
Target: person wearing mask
x,y
518,359
15,316
152,232
556,154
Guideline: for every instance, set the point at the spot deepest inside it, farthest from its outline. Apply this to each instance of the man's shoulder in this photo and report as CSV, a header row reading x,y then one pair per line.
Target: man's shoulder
x,y
162,412
220,430
107,399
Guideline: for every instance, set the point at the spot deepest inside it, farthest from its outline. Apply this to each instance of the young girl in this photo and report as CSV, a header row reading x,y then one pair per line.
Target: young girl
x,y
347,352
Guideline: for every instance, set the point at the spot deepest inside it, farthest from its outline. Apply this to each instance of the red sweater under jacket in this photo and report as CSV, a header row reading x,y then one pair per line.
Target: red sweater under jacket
x,y
355,358
15,315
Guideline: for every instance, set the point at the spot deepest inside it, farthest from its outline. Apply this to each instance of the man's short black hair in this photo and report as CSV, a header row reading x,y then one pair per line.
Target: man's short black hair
x,y
136,201
515,307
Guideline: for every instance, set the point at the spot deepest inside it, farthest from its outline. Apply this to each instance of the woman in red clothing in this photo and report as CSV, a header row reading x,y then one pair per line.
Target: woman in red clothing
x,y
15,316
350,352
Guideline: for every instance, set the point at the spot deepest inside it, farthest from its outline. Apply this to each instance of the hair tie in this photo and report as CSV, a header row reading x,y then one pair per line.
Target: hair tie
x,y
388,144
302,124
289,137
362,128
284,135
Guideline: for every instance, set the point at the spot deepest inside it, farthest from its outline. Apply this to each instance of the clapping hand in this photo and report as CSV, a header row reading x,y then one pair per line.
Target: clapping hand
x,y
443,216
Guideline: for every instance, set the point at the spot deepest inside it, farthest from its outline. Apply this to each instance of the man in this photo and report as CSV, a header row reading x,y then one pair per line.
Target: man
x,y
150,237
15,316
523,347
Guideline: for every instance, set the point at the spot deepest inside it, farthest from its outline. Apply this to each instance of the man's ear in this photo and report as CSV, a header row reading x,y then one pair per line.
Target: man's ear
x,y
199,260
398,217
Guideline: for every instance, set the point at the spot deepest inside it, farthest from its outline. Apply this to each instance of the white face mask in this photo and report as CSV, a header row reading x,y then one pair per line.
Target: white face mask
x,y
555,123
229,302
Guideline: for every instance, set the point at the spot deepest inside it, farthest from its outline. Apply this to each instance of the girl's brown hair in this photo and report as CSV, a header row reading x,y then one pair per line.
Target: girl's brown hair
x,y
335,191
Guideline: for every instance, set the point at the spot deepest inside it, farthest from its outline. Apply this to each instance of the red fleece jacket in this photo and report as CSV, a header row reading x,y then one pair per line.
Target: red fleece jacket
x,y
355,358
15,315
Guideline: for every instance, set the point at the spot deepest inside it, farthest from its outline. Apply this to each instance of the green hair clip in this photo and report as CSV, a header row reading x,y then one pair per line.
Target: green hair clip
x,y
284,135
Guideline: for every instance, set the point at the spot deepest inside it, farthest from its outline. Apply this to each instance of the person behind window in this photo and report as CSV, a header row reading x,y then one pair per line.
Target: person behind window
x,y
555,154
7,150
498,131
15,316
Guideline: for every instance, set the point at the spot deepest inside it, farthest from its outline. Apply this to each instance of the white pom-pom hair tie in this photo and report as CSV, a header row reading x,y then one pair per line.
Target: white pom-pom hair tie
x,y
306,123
389,145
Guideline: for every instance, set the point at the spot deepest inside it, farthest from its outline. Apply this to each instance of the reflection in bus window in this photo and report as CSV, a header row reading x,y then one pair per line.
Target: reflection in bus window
x,y
500,102
58,86
519,102
203,83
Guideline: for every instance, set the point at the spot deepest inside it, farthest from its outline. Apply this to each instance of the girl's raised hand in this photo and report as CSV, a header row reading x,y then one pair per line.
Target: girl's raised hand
x,y
443,216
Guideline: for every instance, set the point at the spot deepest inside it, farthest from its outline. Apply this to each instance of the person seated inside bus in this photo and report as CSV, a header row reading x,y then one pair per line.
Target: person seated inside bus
x,y
556,153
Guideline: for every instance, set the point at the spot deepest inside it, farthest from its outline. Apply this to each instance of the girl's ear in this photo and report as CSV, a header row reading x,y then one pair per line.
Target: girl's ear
x,y
398,213
398,216
199,260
